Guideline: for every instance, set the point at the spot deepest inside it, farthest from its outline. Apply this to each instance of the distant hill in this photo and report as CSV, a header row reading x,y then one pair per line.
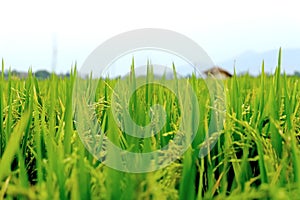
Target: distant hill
x,y
251,61
158,71
161,70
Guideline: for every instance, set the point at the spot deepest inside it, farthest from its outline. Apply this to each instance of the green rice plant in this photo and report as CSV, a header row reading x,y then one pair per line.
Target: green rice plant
x,y
256,156
1,108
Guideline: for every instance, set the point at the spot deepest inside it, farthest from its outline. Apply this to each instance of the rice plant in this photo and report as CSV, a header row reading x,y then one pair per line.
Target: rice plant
x,y
256,155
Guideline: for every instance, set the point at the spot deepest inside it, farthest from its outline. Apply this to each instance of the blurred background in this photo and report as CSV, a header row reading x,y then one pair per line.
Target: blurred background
x,y
54,35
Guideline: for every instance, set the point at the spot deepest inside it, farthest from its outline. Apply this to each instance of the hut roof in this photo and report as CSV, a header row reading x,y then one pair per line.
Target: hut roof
x,y
217,70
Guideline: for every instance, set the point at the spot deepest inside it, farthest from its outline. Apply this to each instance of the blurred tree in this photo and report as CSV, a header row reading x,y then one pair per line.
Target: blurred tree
x,y
42,74
297,73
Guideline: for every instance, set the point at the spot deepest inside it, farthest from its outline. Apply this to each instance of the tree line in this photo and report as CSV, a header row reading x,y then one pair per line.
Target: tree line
x,y
40,74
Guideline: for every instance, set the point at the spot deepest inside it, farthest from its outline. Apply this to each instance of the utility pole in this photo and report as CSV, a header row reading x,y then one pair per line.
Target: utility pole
x,y
54,52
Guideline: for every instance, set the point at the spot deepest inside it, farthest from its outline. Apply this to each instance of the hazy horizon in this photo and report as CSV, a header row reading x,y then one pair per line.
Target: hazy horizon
x,y
32,30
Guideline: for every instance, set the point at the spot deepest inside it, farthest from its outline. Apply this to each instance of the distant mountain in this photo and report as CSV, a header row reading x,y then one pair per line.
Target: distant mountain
x,y
158,71
251,61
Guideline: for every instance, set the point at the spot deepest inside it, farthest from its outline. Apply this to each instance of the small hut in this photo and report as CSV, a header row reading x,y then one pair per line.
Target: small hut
x,y
218,72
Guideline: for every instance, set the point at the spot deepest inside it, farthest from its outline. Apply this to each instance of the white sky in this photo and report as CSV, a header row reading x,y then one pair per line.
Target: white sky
x,y
223,28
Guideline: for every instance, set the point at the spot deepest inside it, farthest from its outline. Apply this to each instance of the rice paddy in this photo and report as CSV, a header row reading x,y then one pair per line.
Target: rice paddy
x,y
256,155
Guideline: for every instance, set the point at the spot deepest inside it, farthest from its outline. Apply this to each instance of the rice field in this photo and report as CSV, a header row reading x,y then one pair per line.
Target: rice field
x,y
256,156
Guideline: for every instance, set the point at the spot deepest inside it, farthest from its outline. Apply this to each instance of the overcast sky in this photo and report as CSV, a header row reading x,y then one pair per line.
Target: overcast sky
x,y
28,29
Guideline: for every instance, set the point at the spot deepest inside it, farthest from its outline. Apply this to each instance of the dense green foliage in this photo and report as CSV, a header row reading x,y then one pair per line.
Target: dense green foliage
x,y
256,156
